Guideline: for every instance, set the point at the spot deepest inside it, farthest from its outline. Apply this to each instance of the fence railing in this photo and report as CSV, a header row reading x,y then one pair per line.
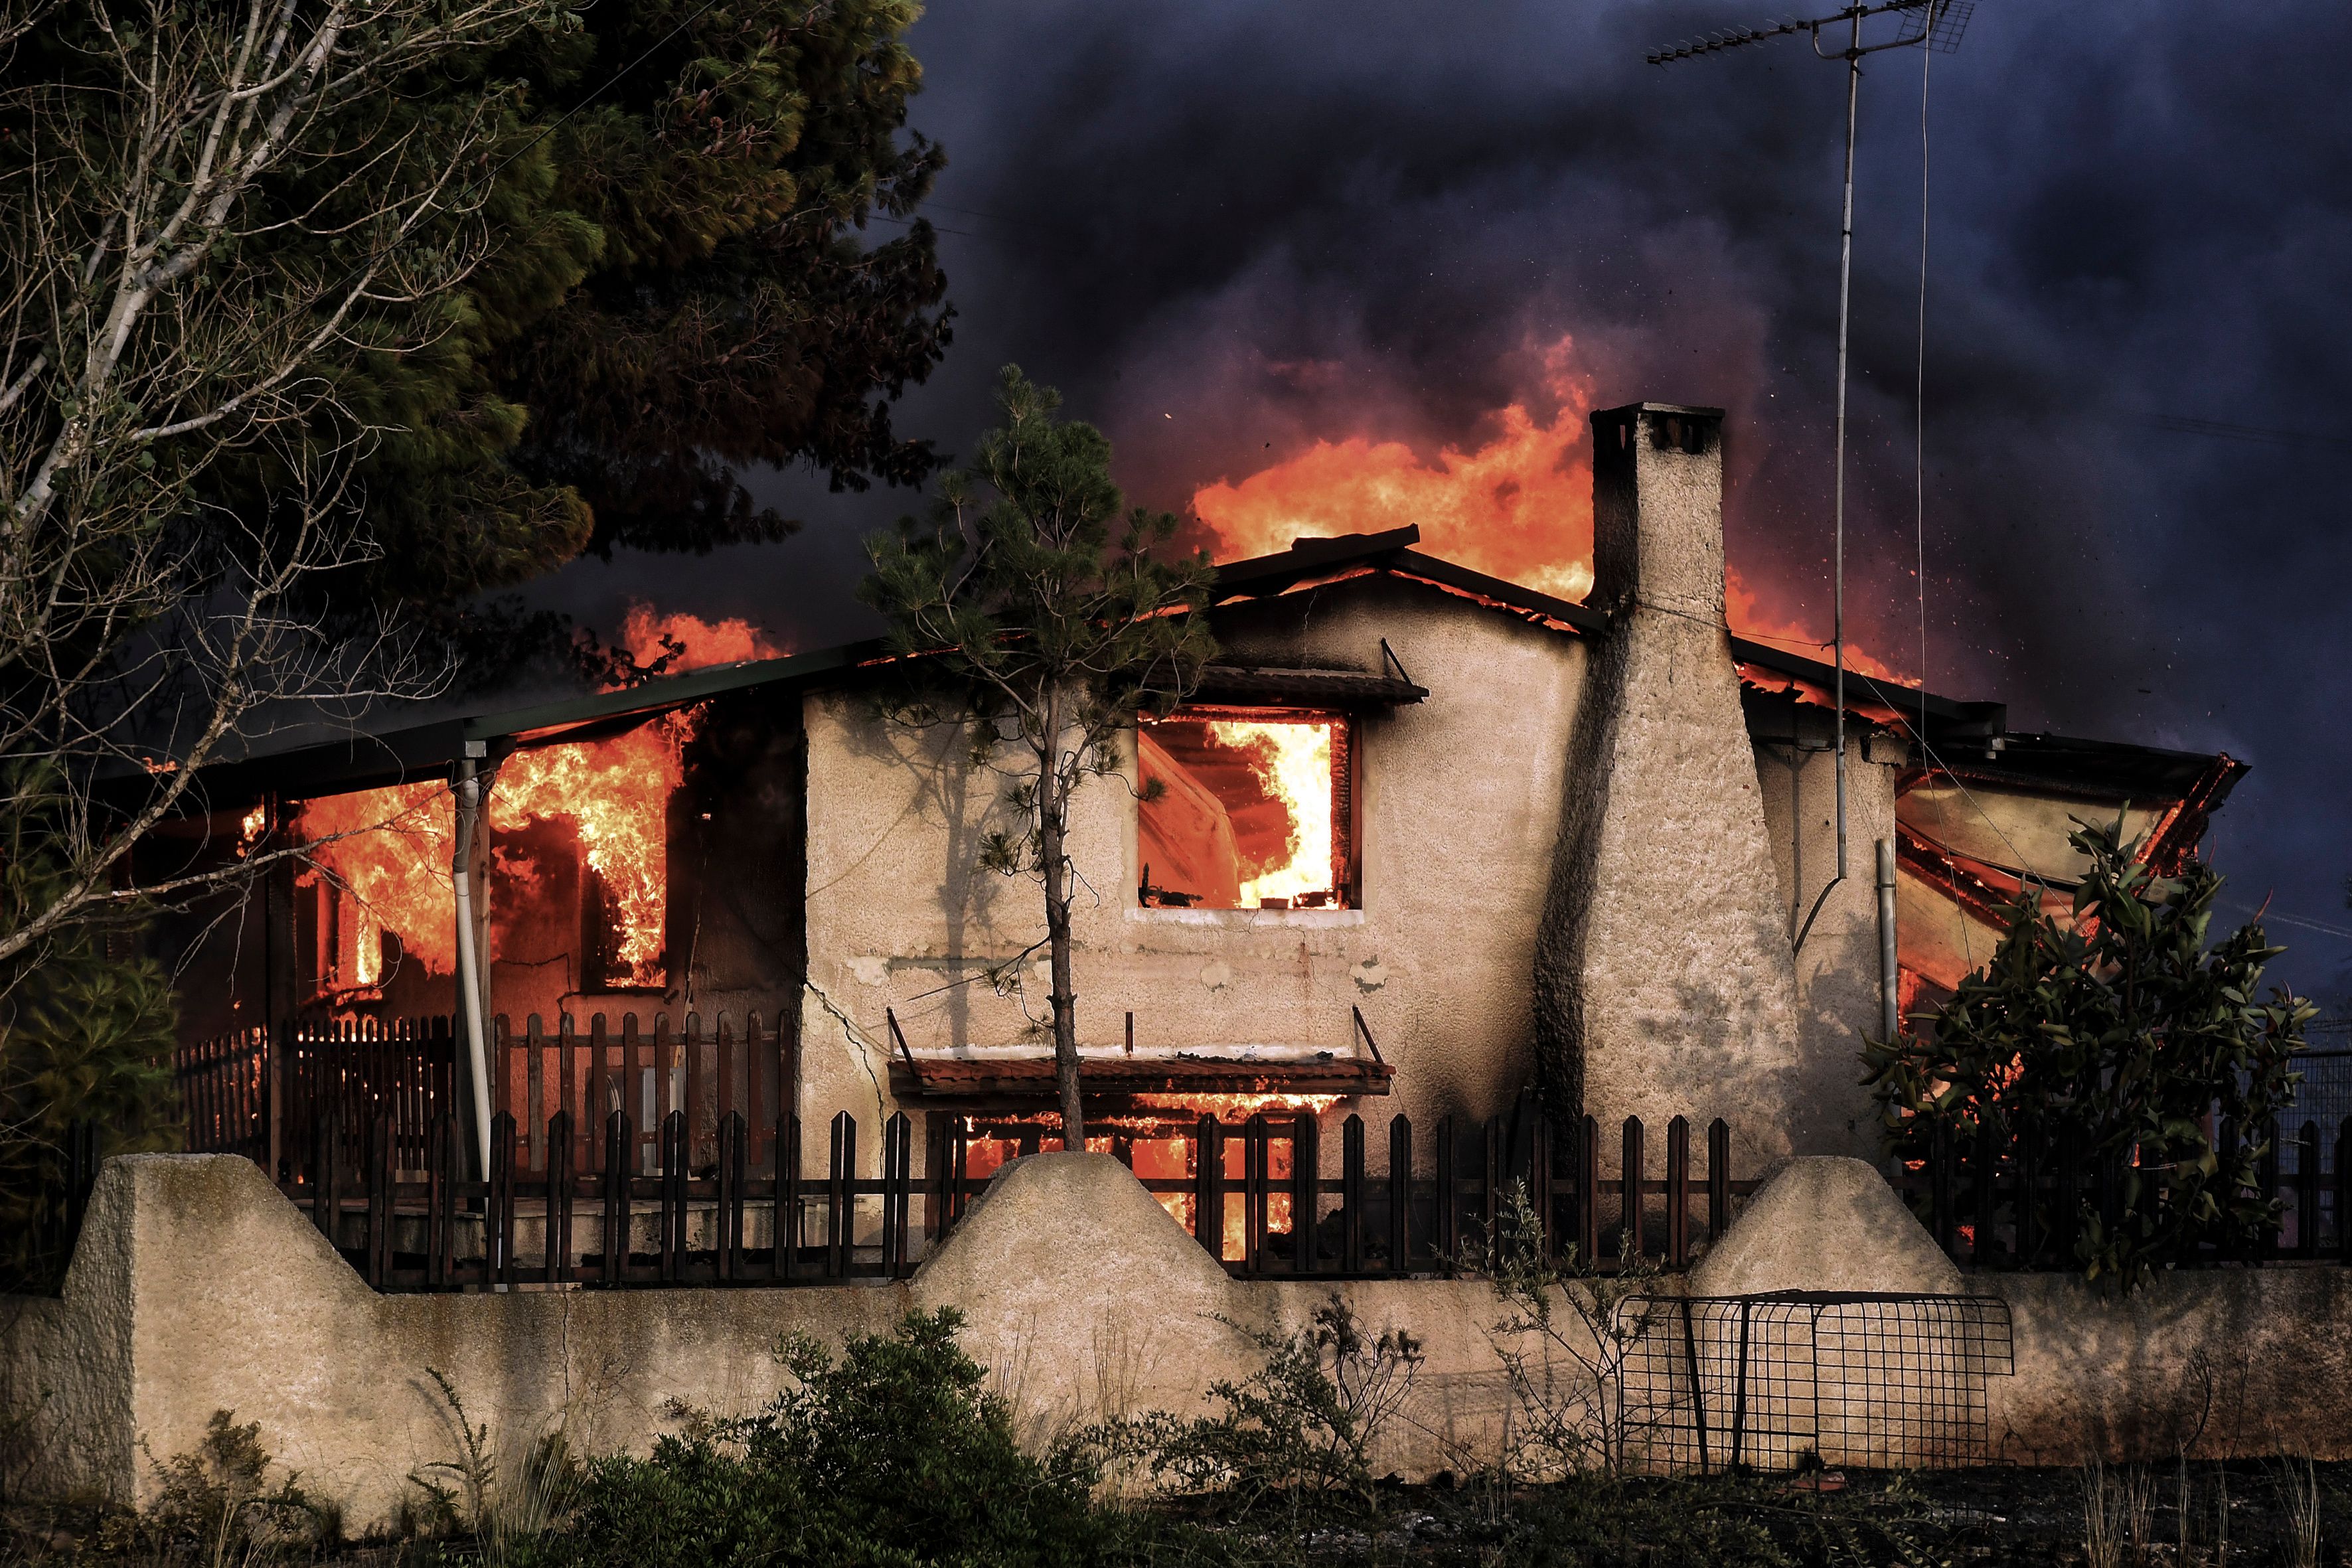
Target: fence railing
x,y
613,1223
687,1135
2023,1201
260,1091
611,1219
1251,1185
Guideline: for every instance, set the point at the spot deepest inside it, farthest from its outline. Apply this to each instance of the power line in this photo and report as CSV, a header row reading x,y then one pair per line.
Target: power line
x,y
2266,435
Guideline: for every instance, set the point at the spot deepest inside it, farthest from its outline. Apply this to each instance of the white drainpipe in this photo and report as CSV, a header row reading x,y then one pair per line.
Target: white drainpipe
x,y
1890,1015
469,962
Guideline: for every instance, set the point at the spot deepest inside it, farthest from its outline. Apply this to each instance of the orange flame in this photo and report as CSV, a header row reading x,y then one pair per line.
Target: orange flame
x,y
617,792
388,851
1159,1152
1293,762
690,642
1235,1108
1518,507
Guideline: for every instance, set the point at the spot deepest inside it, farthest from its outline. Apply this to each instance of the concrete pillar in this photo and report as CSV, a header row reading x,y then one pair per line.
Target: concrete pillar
x,y
1664,984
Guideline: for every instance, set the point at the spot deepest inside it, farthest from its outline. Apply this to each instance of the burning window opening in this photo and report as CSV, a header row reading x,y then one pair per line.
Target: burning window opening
x,y
1159,1140
376,890
1246,808
594,814
579,856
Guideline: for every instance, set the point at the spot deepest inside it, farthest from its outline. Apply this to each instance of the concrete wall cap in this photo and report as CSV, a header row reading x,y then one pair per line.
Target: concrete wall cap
x,y
1045,1217
1825,1222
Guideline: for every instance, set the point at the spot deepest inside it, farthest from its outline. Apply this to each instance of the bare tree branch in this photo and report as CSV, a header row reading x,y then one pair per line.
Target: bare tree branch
x,y
205,224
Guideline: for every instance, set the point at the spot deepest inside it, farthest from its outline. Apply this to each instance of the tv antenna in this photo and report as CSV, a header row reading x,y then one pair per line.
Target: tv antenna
x,y
1937,25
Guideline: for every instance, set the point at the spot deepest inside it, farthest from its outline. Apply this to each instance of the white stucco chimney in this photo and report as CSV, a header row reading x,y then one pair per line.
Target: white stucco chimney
x,y
1664,984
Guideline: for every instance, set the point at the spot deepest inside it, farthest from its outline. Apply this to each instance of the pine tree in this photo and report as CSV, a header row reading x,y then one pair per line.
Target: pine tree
x,y
1042,613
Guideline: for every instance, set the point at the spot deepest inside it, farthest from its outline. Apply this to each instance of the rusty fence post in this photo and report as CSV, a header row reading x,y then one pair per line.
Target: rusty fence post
x,y
1446,1216
1352,1195
1719,1179
1587,1191
1305,1191
618,1195
1633,1167
555,1253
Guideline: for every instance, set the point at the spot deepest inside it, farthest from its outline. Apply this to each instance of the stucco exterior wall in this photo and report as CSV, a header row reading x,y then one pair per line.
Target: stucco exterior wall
x,y
196,1288
1837,969
1664,983
1458,808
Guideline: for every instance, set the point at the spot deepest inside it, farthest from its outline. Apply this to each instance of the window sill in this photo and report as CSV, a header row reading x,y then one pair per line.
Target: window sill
x,y
1249,920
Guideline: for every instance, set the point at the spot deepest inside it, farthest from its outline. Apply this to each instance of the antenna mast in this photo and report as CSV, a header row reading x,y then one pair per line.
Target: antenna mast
x,y
1937,24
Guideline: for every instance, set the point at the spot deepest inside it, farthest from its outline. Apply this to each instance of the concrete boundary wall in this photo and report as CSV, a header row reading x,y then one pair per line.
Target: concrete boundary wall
x,y
196,1286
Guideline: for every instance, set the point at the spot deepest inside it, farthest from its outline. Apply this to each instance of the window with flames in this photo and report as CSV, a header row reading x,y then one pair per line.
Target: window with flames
x,y
579,872
1246,808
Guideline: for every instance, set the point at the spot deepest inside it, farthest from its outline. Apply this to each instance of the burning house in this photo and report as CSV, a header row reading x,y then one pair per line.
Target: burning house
x,y
1423,840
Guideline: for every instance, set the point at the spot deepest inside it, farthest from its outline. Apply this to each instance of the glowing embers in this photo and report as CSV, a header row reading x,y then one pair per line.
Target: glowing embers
x,y
1245,808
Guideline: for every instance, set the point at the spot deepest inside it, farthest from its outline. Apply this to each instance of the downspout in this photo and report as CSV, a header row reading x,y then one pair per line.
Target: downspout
x,y
1890,1015
470,962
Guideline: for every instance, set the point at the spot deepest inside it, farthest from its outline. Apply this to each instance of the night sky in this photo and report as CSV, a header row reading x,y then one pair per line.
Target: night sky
x,y
1230,228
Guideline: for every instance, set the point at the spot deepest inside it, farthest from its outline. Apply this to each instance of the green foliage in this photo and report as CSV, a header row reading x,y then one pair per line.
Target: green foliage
x,y
2125,1029
1033,579
1563,1341
84,1036
894,1453
1303,1427
649,265
506,1508
215,1505
682,286
735,314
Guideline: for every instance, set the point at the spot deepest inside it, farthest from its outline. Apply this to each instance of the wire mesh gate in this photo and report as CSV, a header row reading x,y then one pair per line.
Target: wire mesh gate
x,y
1881,1380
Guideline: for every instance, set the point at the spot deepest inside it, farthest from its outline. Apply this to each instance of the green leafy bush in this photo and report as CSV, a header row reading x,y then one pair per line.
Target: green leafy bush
x,y
894,1453
1302,1428
215,1505
1563,1341
2126,1032
84,1035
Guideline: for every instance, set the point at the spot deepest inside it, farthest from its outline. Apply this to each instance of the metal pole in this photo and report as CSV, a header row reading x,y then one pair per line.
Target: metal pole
x,y
1845,300
1837,574
469,968
1890,1017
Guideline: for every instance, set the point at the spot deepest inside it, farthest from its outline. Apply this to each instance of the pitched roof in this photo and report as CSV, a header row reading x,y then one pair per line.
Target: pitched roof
x,y
362,761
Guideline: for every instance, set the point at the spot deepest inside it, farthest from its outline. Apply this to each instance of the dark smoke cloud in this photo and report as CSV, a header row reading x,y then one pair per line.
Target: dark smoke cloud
x,y
1227,229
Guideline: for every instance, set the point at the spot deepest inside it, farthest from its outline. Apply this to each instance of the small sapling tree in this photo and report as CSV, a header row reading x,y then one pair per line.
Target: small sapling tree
x,y
1567,1333
2126,1033
1036,607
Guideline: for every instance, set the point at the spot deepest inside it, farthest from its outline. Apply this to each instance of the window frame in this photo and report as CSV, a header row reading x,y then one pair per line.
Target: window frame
x,y
1346,791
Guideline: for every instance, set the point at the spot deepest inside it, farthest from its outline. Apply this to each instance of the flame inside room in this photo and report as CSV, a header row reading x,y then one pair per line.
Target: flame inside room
x,y
1245,809
579,884
1157,1136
